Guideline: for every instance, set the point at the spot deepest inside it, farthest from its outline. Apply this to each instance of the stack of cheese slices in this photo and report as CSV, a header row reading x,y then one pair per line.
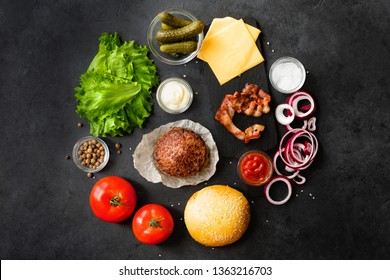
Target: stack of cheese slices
x,y
230,49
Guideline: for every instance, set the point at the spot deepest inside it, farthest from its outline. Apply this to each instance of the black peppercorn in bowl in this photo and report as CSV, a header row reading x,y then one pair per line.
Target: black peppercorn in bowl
x,y
90,154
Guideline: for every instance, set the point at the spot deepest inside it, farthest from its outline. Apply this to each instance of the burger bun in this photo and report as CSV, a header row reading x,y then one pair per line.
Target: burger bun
x,y
217,215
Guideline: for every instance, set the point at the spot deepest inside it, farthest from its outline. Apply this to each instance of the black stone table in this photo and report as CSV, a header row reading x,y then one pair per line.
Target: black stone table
x,y
343,210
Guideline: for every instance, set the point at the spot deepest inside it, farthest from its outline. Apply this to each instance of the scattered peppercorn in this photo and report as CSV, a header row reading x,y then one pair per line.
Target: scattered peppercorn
x,y
80,124
67,157
90,175
118,147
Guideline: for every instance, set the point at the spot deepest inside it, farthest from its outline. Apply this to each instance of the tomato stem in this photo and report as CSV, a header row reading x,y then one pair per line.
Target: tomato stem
x,y
116,201
156,222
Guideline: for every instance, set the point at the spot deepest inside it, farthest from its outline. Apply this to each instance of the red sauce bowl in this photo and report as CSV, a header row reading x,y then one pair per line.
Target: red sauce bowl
x,y
255,168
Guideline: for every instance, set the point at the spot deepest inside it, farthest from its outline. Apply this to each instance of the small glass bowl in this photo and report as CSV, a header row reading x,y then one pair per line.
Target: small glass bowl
x,y
185,84
154,47
299,76
269,167
75,155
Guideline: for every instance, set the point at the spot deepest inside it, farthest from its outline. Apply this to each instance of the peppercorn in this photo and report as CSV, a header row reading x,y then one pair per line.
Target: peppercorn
x,y
91,154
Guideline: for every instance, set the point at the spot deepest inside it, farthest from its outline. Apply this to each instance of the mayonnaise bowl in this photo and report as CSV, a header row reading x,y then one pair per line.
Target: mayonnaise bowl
x,y
174,95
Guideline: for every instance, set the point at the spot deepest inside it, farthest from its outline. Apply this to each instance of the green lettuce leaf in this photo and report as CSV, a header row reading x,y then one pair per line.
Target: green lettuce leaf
x,y
115,91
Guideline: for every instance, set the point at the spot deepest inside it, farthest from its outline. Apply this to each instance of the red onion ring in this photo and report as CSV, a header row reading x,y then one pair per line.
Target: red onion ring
x,y
301,181
293,171
268,187
298,96
311,124
289,127
281,117
296,155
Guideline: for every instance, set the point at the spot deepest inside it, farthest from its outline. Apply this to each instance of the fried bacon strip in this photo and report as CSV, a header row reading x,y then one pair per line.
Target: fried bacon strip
x,y
251,101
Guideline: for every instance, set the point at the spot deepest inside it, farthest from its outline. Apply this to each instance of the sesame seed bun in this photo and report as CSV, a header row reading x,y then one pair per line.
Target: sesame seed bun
x,y
217,215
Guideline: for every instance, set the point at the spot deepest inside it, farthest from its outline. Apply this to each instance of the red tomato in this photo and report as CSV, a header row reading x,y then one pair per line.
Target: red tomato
x,y
113,199
152,224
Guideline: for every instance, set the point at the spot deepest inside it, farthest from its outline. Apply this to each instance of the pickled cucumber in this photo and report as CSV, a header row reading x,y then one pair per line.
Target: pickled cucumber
x,y
179,47
180,34
166,26
172,20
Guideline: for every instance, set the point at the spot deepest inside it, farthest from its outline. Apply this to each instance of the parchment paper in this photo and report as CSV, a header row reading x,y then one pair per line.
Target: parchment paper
x,y
144,161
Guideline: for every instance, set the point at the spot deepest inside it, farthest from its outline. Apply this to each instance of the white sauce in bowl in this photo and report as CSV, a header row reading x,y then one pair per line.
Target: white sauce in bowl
x,y
174,95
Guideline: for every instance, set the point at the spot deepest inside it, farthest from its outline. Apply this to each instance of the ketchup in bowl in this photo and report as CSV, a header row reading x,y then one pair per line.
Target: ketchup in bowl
x,y
255,168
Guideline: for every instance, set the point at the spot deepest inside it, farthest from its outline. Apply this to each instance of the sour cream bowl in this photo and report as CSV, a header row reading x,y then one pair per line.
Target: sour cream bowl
x,y
174,95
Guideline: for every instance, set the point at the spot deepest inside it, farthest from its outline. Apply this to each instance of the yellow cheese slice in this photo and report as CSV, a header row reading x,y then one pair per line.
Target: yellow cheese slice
x,y
219,24
231,51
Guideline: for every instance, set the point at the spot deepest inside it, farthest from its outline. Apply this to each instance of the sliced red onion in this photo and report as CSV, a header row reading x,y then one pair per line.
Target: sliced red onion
x,y
293,172
268,187
297,155
281,117
306,111
298,146
301,180
311,124
289,127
